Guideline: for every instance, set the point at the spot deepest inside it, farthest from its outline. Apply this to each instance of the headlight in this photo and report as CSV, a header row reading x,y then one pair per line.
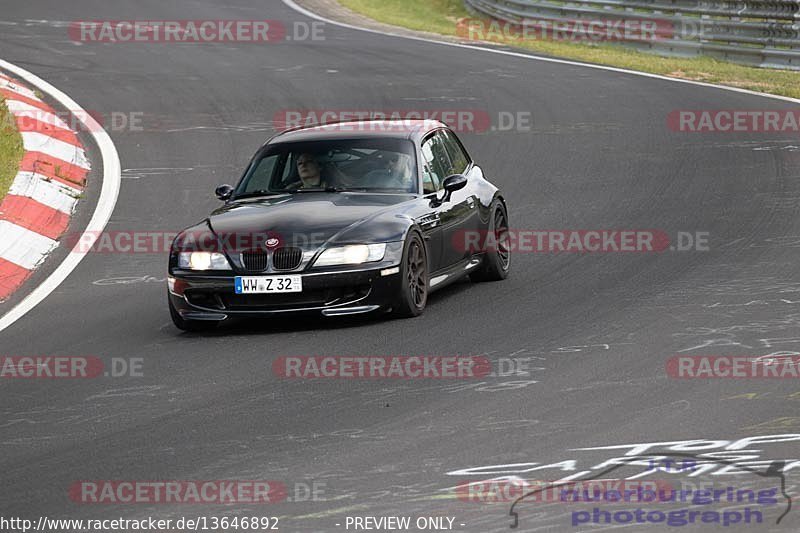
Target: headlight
x,y
352,255
203,261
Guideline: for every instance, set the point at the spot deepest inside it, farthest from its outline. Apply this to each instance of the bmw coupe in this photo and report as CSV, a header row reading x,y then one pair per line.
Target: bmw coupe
x,y
341,219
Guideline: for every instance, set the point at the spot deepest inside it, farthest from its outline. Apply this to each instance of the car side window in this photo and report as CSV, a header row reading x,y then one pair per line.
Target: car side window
x,y
437,163
460,159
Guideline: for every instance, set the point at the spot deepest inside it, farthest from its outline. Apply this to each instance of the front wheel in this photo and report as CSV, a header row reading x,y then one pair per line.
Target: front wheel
x,y
194,326
413,290
497,259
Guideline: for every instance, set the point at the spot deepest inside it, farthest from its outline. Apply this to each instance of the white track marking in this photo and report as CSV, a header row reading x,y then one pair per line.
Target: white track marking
x,y
23,109
22,246
292,5
105,204
33,141
14,88
50,193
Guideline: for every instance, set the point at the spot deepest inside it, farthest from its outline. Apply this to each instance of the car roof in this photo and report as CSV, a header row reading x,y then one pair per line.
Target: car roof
x,y
411,129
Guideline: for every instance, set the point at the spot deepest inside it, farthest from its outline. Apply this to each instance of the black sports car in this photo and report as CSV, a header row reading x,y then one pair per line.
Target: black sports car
x,y
341,219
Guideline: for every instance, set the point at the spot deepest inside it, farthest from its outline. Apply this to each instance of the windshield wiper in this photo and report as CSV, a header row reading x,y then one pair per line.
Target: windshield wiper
x,y
255,194
317,189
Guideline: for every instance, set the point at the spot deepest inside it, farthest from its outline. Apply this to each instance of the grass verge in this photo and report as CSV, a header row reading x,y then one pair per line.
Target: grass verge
x,y
10,149
441,16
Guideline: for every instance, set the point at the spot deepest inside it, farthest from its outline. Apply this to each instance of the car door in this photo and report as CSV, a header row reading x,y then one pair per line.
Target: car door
x,y
460,214
449,216
435,164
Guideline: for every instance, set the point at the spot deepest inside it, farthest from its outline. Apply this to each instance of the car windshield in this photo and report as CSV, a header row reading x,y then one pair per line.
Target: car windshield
x,y
368,165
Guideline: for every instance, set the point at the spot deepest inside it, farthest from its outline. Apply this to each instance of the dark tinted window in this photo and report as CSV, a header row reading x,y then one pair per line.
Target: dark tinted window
x,y
458,156
437,163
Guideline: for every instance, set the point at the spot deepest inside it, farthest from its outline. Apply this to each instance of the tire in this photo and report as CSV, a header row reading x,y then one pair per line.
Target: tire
x,y
496,260
193,326
414,283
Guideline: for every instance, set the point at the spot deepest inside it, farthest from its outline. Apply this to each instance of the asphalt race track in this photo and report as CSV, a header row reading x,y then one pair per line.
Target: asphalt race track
x,y
596,329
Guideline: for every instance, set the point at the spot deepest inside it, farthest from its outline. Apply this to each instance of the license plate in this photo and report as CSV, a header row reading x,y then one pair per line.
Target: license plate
x,y
268,285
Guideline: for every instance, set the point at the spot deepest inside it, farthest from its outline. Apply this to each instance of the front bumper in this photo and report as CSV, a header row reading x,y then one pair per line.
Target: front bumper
x,y
203,296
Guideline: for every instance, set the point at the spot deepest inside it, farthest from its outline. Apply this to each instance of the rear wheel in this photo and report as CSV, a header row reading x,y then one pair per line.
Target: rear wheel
x,y
413,290
194,326
497,260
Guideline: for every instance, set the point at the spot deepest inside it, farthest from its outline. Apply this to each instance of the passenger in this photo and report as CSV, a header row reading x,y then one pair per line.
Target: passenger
x,y
395,175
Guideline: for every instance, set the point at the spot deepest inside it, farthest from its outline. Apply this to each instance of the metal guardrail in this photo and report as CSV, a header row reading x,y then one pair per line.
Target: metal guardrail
x,y
763,33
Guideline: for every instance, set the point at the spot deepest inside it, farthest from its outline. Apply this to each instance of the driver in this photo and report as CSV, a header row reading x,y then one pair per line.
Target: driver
x,y
313,175
309,171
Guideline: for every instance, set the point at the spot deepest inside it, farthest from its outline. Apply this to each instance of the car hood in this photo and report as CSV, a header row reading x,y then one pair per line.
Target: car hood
x,y
308,220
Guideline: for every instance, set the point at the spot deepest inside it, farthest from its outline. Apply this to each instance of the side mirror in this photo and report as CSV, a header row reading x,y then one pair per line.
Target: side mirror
x,y
224,192
453,183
